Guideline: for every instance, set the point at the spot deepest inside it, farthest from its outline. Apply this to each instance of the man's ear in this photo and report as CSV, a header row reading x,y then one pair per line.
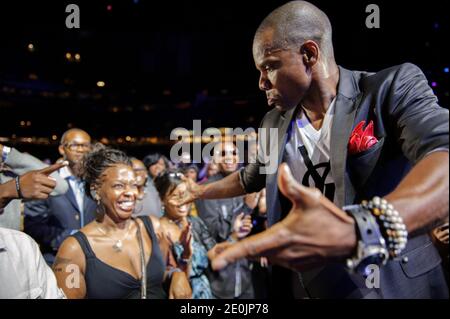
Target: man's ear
x,y
61,151
310,53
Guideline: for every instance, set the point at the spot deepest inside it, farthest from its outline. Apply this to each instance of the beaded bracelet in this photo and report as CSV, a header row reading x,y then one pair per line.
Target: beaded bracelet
x,y
391,224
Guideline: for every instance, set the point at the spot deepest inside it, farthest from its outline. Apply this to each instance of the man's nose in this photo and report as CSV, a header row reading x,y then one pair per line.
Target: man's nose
x,y
264,83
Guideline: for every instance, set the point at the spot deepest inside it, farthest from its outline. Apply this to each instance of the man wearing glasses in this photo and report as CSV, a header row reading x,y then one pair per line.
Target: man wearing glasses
x,y
50,221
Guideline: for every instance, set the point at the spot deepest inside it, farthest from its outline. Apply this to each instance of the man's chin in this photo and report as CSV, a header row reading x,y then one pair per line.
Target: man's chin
x,y
283,108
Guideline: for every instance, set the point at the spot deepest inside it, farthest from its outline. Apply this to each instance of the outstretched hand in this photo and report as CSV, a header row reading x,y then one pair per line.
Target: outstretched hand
x,y
38,184
193,192
314,230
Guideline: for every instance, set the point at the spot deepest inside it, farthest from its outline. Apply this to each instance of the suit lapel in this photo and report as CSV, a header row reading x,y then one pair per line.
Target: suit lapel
x,y
347,101
272,185
285,119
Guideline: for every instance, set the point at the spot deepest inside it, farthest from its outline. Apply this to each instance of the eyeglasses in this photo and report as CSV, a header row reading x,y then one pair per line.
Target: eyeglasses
x,y
75,146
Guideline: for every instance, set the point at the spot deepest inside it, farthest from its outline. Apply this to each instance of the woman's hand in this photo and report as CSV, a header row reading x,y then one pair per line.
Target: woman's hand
x,y
180,287
186,241
242,226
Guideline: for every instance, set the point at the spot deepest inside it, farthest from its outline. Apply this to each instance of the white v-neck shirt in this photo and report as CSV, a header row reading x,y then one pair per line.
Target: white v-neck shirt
x,y
317,145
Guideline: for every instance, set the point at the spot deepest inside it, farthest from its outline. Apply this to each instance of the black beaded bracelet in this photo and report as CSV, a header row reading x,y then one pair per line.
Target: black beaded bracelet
x,y
19,192
391,224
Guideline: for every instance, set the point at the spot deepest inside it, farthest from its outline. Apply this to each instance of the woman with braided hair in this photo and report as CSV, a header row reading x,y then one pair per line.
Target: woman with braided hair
x,y
117,256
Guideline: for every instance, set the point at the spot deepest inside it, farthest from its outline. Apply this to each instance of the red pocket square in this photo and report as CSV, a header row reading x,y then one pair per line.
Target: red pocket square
x,y
361,139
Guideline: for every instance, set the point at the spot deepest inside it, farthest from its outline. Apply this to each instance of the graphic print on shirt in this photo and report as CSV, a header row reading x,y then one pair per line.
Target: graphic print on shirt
x,y
317,176
308,153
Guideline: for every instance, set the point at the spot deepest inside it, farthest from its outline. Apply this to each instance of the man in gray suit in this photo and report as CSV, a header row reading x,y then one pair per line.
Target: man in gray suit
x,y
14,164
346,137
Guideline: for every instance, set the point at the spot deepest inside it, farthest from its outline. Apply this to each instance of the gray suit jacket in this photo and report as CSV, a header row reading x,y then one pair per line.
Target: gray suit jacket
x,y
21,163
409,124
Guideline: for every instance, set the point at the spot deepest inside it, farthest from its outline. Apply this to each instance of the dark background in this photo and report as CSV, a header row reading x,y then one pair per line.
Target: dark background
x,y
166,63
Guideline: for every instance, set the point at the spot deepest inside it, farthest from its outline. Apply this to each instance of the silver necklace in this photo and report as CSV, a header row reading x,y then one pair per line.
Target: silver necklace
x,y
118,245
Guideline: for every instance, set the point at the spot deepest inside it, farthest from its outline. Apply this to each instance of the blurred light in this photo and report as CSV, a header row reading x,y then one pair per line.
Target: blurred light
x,y
434,84
32,76
135,1
436,25
30,47
100,84
77,56
445,70
22,123
109,7
28,123
128,138
68,56
54,137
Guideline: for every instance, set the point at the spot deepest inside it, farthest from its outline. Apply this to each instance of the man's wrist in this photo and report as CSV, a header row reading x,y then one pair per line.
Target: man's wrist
x,y
12,190
391,224
371,246
202,190
9,190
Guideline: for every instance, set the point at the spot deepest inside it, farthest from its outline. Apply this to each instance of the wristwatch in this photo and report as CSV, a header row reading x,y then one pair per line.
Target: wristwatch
x,y
371,248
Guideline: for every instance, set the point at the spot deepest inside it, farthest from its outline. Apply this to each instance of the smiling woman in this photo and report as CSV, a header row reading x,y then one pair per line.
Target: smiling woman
x,y
117,256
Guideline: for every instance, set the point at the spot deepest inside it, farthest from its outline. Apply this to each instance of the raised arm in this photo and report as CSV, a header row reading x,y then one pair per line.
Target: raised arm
x,y
21,163
32,185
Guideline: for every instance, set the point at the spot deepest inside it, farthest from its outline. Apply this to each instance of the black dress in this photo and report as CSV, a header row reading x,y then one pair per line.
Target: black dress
x,y
106,282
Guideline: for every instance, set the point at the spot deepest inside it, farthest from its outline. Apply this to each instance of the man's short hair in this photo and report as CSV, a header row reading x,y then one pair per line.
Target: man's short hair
x,y
296,22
